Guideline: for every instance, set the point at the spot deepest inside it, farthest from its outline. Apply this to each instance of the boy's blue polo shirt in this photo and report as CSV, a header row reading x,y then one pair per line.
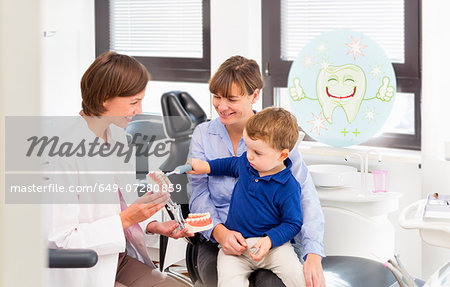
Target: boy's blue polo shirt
x,y
268,205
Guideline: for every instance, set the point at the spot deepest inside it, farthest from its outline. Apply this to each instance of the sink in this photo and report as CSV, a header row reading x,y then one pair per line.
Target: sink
x,y
332,175
352,199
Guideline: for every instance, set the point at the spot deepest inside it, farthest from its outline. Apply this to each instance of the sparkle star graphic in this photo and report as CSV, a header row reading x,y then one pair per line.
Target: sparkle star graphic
x,y
355,47
317,123
325,63
376,72
370,114
321,48
308,61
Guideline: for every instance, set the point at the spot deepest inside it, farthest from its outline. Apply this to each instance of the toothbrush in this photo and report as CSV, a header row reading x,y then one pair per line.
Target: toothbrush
x,y
180,169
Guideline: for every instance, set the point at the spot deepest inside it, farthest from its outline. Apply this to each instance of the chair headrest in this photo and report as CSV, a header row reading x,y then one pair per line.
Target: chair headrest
x,y
181,113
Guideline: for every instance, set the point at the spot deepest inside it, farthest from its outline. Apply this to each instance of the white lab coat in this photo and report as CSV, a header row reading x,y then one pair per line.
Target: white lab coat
x,y
91,220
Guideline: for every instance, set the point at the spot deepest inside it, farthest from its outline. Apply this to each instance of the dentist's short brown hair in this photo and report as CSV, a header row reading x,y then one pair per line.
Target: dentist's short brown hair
x,y
275,126
111,75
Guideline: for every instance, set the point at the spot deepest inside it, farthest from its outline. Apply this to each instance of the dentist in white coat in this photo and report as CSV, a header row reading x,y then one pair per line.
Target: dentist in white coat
x,y
111,222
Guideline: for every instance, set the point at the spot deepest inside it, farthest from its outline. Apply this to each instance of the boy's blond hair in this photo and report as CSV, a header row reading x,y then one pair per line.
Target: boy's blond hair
x,y
275,126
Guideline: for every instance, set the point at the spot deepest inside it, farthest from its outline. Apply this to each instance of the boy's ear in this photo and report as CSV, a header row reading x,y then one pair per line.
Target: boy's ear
x,y
105,104
284,154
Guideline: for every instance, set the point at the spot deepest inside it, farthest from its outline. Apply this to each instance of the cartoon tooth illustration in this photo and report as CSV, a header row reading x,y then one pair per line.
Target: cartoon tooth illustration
x,y
348,92
341,86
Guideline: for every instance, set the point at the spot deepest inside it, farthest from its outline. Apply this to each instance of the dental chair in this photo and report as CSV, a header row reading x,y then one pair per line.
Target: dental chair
x,y
181,114
339,271
144,132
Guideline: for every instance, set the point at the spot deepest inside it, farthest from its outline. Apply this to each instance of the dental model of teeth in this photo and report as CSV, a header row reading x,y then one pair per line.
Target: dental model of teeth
x,y
196,222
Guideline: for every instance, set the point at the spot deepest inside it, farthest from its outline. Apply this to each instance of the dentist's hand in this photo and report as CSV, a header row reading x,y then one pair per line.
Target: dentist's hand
x,y
146,205
312,269
232,242
143,208
296,92
199,166
167,228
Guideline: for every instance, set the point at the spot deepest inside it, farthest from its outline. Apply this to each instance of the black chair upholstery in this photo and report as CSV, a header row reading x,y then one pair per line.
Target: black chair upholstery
x,y
72,258
191,260
181,114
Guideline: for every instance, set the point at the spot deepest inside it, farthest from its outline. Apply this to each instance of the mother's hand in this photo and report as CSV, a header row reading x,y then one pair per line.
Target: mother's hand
x,y
312,269
232,242
143,208
167,228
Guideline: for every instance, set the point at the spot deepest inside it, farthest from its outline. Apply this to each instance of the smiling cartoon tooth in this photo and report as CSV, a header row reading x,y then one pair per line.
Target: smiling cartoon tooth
x,y
341,86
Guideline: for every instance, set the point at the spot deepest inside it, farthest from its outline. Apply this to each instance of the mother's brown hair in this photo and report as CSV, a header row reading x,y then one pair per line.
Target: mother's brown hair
x,y
238,70
111,75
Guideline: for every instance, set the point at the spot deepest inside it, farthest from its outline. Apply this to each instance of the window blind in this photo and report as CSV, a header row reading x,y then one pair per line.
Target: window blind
x,y
157,28
382,20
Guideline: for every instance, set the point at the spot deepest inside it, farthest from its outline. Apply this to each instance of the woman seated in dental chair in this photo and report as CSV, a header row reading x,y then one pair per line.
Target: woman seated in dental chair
x,y
235,88
112,91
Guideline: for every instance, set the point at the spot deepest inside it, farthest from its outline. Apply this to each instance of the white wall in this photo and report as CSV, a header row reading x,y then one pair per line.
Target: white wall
x,y
22,246
67,52
235,30
435,114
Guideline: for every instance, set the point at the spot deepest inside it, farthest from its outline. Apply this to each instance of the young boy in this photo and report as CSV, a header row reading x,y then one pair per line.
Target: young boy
x,y
265,204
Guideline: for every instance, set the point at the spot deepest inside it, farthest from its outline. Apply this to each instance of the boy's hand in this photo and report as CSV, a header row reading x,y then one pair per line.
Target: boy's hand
x,y
262,247
199,166
232,242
